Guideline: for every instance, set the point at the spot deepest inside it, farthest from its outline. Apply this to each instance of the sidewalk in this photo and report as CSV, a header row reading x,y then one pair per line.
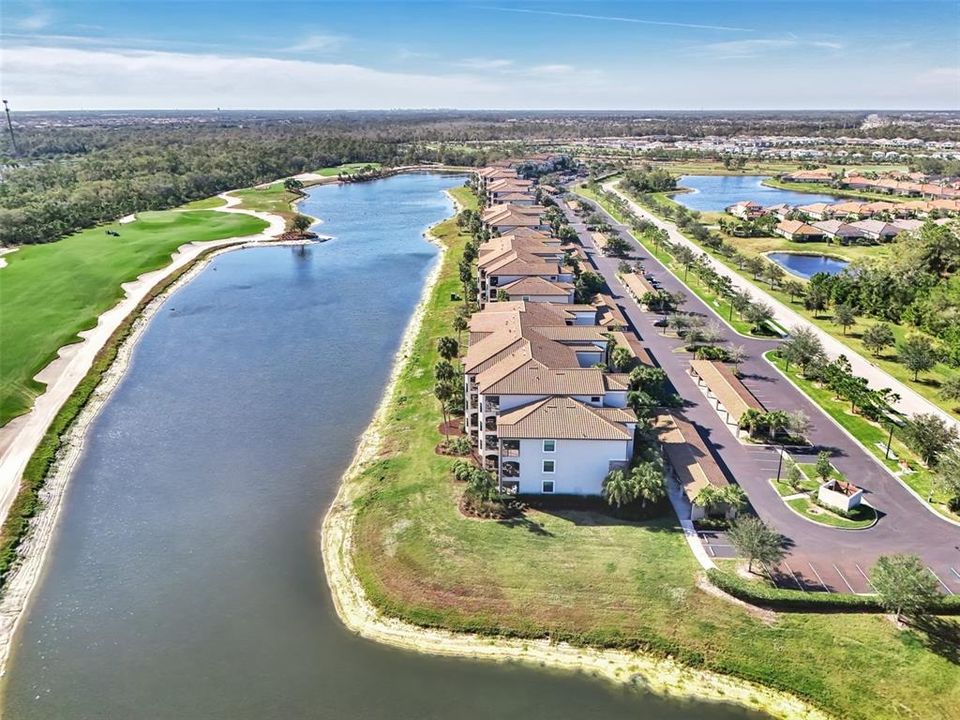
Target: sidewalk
x,y
911,402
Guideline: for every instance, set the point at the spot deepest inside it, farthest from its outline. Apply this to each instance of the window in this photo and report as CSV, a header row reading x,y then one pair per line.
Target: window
x,y
595,398
549,445
549,466
548,486
526,298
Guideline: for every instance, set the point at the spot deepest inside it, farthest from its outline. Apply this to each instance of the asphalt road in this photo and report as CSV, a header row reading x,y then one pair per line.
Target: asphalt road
x,y
818,557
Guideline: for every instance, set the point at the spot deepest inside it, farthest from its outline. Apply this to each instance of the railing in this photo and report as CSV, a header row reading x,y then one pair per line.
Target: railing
x,y
510,452
491,407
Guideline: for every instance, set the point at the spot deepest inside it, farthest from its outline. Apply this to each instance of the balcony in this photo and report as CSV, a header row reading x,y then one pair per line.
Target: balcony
x,y
510,469
490,423
491,406
491,443
511,448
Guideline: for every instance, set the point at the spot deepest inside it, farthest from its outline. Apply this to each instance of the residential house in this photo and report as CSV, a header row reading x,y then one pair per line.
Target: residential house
x,y
798,231
746,210
840,231
877,229
816,211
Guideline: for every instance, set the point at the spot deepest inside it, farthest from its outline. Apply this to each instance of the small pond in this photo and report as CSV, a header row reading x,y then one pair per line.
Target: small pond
x,y
806,266
714,193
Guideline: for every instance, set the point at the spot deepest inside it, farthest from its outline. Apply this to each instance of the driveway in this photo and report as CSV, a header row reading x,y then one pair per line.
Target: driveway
x,y
819,557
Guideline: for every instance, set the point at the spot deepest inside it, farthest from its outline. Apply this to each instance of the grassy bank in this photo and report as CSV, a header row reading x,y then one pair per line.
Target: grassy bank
x,y
591,579
347,168
51,292
27,502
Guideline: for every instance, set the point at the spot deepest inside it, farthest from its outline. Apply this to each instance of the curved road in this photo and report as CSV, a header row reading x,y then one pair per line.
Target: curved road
x,y
819,557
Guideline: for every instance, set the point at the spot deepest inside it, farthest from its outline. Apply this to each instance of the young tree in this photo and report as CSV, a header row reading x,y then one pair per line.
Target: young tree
x,y
301,222
795,477
736,355
794,288
802,347
617,246
686,257
817,299
754,266
799,424
444,393
448,347
844,315
928,436
917,355
904,586
755,541
292,185
878,337
708,498
739,301
823,468
947,476
950,389
758,314
773,273
619,488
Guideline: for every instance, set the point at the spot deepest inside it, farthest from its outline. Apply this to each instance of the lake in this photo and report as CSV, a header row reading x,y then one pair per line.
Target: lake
x,y
714,193
806,266
185,580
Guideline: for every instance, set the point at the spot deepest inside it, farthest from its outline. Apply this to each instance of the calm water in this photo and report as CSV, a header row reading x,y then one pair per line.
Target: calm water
x,y
714,193
806,266
186,581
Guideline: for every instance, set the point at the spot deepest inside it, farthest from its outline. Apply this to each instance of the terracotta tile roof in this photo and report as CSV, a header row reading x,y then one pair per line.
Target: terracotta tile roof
x,y
876,227
637,284
561,418
838,228
536,285
617,381
632,343
688,455
533,379
727,388
797,227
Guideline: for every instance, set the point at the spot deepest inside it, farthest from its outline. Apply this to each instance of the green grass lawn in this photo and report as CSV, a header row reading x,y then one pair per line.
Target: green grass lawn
x,y
273,198
204,204
863,516
592,579
872,436
346,168
50,292
839,192
713,167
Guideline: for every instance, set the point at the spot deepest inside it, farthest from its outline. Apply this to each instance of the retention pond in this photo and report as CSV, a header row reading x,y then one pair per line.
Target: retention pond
x,y
185,580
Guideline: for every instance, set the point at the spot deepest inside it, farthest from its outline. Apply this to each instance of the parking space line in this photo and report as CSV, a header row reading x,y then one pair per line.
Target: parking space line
x,y
843,577
860,569
794,575
820,579
946,587
954,571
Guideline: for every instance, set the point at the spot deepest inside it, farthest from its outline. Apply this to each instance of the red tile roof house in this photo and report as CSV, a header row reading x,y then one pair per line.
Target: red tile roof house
x,y
816,211
840,231
544,418
746,210
798,231
877,229
809,176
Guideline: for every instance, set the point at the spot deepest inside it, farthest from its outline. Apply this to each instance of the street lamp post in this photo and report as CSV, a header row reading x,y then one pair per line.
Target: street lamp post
x,y
780,463
889,440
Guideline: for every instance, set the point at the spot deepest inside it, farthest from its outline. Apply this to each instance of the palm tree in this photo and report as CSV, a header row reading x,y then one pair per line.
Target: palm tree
x,y
686,257
443,392
443,371
460,323
751,421
448,347
618,488
735,498
708,497
777,420
647,479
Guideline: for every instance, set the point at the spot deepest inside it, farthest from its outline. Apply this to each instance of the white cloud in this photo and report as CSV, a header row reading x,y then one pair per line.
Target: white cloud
x,y
736,49
48,78
946,77
317,42
485,63
613,18
37,20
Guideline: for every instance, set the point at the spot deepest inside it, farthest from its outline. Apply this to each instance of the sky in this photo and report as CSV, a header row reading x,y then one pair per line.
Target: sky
x,y
497,54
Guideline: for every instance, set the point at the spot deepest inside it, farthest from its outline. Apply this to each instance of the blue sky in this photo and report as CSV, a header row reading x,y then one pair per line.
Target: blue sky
x,y
68,54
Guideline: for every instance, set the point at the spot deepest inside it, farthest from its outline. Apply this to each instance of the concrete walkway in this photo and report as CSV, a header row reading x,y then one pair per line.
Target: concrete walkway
x,y
911,402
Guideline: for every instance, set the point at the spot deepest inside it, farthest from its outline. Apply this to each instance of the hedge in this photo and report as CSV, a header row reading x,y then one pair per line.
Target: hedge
x,y
800,601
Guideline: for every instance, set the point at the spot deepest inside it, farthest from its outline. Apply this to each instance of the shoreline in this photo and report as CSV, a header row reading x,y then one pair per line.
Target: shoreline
x,y
663,677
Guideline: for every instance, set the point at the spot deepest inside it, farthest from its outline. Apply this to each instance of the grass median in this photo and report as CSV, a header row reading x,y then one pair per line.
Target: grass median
x,y
590,579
